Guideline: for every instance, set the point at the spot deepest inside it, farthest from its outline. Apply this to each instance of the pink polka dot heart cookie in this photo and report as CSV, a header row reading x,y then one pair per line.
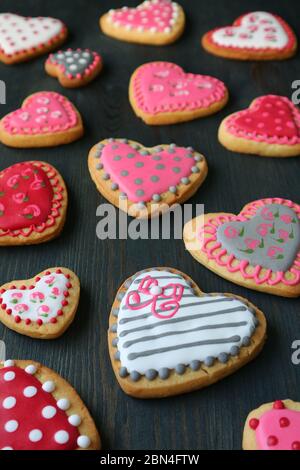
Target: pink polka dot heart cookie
x,y
39,410
41,307
270,127
162,93
156,22
22,38
145,181
257,35
45,119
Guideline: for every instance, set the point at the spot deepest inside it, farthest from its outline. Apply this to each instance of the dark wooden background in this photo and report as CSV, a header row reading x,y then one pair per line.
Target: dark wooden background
x,y
212,418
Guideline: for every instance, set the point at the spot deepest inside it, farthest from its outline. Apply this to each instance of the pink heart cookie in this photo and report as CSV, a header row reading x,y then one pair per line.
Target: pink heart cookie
x,y
145,181
155,22
255,36
162,93
270,127
45,119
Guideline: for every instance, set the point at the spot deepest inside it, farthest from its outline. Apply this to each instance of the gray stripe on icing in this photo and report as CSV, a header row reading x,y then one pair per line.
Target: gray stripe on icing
x,y
207,342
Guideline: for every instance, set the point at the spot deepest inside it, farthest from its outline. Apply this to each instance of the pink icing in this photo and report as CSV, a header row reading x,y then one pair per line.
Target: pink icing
x,y
271,118
159,15
214,250
164,87
142,176
43,112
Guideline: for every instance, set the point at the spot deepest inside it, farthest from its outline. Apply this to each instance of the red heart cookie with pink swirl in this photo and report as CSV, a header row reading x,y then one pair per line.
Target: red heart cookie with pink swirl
x,y
256,36
45,119
39,410
162,93
270,127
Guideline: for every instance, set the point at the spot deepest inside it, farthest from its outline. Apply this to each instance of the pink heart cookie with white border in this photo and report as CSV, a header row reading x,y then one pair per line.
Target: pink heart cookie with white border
x,y
39,410
22,38
255,36
156,22
45,119
162,93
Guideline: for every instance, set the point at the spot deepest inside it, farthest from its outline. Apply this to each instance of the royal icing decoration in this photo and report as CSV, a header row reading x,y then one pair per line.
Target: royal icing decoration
x,y
22,34
277,428
156,16
162,325
41,303
257,31
262,242
30,416
272,119
30,198
143,175
43,113
75,63
161,87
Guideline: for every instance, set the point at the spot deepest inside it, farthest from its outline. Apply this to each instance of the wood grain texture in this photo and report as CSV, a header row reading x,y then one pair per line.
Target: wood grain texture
x,y
212,418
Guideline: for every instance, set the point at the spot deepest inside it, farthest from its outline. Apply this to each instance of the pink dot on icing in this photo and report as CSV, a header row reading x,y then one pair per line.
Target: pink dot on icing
x,y
290,124
261,125
278,121
265,114
248,120
278,128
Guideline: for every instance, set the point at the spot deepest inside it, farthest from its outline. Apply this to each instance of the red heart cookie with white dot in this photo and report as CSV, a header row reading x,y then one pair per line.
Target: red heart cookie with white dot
x,y
270,127
22,38
41,307
39,410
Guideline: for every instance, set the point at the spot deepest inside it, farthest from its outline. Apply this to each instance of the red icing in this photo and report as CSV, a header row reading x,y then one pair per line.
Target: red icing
x,y
28,414
253,423
278,405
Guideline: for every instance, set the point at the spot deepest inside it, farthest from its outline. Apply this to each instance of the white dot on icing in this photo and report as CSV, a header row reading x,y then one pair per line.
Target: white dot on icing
x,y
61,437
74,420
48,412
82,61
11,426
86,54
63,404
30,391
73,67
84,442
48,386
156,290
31,369
69,60
9,402
8,376
9,363
7,448
35,435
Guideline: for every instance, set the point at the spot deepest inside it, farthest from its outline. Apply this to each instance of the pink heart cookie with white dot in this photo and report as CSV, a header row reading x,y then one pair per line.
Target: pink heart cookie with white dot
x,y
162,93
156,22
22,38
39,410
270,127
45,119
42,307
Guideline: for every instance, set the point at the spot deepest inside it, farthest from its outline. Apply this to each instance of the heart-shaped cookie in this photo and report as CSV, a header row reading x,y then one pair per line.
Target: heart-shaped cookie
x,y
155,22
259,248
256,36
39,410
74,67
270,127
22,38
145,181
33,203
162,93
167,337
41,307
273,426
45,119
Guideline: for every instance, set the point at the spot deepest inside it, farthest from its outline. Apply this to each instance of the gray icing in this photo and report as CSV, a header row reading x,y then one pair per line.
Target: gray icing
x,y
74,61
195,365
123,372
270,239
151,374
164,373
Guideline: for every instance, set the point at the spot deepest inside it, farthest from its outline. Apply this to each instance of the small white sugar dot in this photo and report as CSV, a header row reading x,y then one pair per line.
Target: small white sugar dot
x,y
8,376
7,448
60,56
61,437
68,53
29,392
82,61
156,290
35,435
48,412
48,386
9,402
11,426
73,67
63,404
74,420
86,54
31,369
84,442
69,60
9,363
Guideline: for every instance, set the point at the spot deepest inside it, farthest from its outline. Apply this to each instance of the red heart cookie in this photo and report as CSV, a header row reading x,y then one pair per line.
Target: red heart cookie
x,y
162,93
256,36
22,38
270,127
41,411
33,203
45,119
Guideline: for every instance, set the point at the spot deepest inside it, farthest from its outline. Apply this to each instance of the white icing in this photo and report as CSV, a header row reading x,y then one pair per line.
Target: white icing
x,y
9,402
18,32
63,404
8,376
84,442
256,39
31,369
11,426
185,355
61,437
48,386
48,412
29,391
35,435
74,420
